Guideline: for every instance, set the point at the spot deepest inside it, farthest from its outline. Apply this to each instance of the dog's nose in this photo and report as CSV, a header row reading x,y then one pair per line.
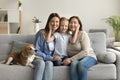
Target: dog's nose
x,y
35,50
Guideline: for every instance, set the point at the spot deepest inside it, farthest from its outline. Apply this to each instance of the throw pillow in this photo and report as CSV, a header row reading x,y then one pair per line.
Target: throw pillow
x,y
17,46
108,58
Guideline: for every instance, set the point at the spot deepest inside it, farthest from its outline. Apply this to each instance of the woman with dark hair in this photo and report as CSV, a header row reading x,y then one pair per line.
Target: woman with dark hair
x,y
44,68
81,54
61,40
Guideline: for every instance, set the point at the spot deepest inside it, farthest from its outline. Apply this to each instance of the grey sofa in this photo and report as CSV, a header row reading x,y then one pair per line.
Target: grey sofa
x,y
107,68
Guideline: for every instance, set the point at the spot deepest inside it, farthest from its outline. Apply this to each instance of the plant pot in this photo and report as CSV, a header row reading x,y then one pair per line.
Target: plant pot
x,y
116,44
116,33
36,27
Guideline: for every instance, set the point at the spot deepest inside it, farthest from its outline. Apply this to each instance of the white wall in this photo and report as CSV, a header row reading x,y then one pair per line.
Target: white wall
x,y
91,12
8,4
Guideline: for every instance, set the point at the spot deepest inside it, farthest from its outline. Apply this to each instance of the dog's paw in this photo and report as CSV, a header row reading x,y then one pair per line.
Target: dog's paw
x,y
31,65
9,60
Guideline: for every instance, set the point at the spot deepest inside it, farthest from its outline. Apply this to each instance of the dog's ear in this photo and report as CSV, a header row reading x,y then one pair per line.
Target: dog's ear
x,y
32,45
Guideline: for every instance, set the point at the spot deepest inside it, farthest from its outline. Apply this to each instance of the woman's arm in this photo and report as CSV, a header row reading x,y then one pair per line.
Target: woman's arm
x,y
85,46
75,35
40,44
50,36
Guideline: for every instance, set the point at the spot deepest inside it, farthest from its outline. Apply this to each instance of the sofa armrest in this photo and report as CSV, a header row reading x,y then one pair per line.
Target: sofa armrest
x,y
117,53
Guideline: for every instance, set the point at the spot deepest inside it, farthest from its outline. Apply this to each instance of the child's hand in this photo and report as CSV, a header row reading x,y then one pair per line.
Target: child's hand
x,y
56,58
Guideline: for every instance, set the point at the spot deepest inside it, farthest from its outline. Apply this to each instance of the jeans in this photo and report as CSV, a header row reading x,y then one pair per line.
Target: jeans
x,y
43,70
78,68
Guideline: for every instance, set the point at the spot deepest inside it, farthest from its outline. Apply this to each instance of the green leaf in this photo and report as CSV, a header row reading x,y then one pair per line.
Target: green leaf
x,y
114,22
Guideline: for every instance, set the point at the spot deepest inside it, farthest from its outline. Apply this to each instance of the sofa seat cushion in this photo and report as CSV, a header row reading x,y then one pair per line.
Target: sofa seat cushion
x,y
18,72
103,72
61,70
15,72
98,72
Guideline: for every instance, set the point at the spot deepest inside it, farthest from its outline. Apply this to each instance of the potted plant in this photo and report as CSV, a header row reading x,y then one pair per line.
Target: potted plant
x,y
36,22
19,4
114,22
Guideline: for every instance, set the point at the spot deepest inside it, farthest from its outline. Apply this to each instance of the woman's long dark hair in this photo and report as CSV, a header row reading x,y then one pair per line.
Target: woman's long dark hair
x,y
49,18
79,21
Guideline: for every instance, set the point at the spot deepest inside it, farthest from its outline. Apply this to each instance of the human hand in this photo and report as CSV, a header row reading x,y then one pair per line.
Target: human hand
x,y
67,61
77,28
50,27
56,58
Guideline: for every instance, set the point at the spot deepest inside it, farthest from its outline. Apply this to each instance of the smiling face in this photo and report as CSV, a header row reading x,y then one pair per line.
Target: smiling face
x,y
54,23
64,26
73,24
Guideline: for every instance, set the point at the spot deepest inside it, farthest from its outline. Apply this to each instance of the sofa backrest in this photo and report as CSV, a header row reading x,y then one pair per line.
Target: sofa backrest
x,y
7,39
98,42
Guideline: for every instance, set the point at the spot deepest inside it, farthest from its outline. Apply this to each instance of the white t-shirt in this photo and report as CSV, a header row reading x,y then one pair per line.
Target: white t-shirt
x,y
51,46
61,42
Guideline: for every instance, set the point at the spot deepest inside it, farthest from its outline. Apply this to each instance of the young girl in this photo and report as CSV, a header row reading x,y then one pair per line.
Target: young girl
x,y
61,40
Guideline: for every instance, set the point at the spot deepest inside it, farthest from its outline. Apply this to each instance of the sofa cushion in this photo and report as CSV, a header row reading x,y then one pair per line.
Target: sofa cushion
x,y
15,72
110,42
102,71
97,72
98,42
109,57
17,46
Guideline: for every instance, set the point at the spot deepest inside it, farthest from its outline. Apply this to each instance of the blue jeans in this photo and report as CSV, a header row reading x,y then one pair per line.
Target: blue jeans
x,y
78,68
43,70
